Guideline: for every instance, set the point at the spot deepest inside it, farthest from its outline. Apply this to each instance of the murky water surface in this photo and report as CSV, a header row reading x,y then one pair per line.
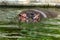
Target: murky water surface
x,y
47,30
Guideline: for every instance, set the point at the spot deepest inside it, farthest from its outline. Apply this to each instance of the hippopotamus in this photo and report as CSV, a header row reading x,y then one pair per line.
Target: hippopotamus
x,y
33,15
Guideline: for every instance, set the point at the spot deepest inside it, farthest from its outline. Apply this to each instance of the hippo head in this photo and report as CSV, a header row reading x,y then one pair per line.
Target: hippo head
x,y
29,16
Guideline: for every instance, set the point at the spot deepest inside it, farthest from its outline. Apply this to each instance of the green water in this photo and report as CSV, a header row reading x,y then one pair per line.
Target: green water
x,y
48,29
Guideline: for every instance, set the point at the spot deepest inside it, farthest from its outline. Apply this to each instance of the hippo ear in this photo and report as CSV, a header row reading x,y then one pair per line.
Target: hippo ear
x,y
19,15
36,18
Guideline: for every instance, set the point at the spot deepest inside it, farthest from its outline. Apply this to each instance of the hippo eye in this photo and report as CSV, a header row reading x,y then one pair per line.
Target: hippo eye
x,y
32,14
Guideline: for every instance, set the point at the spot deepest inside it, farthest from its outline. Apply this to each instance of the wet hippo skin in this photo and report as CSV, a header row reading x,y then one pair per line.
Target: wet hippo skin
x,y
35,15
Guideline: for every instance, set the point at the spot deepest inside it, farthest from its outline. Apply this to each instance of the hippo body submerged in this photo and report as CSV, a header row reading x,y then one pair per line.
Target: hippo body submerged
x,y
32,15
